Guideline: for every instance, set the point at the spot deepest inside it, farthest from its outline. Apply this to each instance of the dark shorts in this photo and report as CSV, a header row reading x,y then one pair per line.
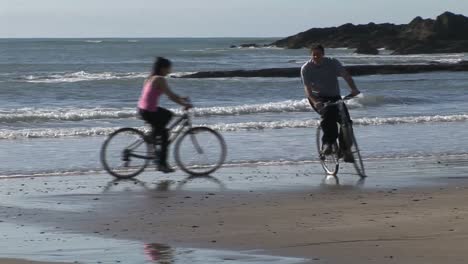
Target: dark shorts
x,y
159,119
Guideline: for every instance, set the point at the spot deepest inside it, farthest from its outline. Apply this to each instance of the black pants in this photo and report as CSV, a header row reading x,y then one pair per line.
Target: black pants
x,y
158,121
330,119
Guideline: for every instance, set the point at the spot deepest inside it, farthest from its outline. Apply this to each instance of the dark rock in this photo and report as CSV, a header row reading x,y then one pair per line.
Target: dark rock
x,y
354,70
347,35
450,26
250,45
366,48
447,33
233,46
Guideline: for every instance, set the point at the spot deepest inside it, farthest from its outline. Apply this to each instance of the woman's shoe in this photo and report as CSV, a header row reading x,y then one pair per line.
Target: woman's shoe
x,y
165,168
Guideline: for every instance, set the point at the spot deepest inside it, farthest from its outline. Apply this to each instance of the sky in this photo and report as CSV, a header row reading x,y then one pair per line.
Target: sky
x,y
203,18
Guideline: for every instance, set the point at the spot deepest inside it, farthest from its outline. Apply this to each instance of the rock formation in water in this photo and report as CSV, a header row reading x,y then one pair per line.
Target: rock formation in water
x,y
448,33
355,70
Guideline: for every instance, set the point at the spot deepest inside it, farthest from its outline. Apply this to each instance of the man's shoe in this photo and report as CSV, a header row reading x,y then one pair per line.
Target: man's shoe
x,y
165,168
348,157
327,149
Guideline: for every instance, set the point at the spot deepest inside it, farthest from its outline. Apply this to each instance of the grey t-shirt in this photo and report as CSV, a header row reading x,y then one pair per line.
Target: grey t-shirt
x,y
323,77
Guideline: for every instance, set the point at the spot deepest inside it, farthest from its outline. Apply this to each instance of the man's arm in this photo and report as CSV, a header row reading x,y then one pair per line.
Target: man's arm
x,y
341,71
350,81
310,95
309,88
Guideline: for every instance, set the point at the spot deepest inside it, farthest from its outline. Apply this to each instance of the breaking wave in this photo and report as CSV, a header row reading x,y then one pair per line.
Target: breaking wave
x,y
230,127
81,76
359,121
32,115
79,114
96,41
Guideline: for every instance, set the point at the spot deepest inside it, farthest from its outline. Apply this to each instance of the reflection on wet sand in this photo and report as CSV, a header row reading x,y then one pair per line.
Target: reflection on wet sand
x,y
209,178
160,253
118,182
333,182
161,186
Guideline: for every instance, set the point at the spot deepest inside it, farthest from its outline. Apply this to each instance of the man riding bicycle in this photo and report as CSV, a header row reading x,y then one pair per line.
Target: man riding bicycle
x,y
320,79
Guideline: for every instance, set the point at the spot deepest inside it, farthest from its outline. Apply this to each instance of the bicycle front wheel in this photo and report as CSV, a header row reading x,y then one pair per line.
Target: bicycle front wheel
x,y
124,154
200,151
350,140
329,163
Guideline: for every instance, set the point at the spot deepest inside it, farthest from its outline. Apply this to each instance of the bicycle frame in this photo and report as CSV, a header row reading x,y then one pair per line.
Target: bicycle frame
x,y
179,125
176,128
344,115
347,137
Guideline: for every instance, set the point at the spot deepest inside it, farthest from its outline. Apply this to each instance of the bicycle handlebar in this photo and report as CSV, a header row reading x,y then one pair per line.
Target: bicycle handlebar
x,y
346,98
185,109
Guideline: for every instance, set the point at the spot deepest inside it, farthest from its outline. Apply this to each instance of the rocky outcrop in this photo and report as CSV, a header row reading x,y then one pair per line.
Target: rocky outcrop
x,y
354,70
447,33
347,35
366,48
249,45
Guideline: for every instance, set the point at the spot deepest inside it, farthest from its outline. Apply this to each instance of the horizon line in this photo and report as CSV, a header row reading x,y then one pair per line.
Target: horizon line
x,y
107,37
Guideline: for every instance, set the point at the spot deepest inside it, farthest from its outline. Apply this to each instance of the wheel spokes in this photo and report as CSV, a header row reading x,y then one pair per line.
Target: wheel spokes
x,y
329,162
200,151
124,152
195,143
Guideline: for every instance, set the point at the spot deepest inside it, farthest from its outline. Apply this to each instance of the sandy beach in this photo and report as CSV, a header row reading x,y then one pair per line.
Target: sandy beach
x,y
263,210
17,261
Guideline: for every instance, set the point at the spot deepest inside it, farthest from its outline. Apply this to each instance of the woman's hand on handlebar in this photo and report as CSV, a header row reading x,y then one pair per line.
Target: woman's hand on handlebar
x,y
186,103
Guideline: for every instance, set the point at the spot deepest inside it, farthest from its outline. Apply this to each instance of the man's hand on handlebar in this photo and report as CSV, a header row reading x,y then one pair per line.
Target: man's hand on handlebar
x,y
319,106
316,103
353,94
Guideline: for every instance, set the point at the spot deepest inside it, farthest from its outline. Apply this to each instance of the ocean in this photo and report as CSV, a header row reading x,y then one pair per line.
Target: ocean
x,y
59,98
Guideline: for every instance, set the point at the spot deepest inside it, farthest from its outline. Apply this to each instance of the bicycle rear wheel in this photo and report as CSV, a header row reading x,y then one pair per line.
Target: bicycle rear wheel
x,y
329,163
124,153
350,140
200,151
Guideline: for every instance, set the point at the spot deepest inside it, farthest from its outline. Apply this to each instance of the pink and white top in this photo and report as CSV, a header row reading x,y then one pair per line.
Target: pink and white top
x,y
149,99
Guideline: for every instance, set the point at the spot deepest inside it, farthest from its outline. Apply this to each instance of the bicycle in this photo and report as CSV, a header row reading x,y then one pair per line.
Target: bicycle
x,y
198,151
331,163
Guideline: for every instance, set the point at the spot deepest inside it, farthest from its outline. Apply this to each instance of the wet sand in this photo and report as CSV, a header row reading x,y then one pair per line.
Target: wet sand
x,y
385,219
18,261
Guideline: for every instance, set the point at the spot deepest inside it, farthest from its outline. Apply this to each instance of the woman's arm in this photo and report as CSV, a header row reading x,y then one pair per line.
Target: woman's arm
x,y
162,84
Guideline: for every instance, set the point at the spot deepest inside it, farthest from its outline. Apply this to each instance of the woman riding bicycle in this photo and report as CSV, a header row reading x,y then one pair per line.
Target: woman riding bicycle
x,y
150,111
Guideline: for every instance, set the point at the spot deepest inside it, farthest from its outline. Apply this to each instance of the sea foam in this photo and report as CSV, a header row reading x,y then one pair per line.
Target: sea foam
x,y
79,114
230,127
